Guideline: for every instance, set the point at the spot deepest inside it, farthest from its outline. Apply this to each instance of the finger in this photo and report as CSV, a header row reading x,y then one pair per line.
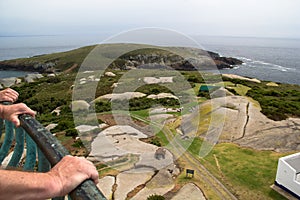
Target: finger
x,y
10,98
26,110
95,177
9,90
16,121
6,98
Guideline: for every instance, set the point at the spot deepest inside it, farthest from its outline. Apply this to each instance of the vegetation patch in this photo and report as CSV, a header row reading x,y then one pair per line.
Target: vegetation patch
x,y
277,103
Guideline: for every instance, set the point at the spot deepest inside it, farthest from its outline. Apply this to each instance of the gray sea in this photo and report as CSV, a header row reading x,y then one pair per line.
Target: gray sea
x,y
271,59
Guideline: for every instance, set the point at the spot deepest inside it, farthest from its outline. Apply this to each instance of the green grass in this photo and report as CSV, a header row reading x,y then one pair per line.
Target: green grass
x,y
246,172
162,138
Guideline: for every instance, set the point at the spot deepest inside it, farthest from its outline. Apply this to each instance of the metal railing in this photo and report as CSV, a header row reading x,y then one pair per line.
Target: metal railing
x,y
39,141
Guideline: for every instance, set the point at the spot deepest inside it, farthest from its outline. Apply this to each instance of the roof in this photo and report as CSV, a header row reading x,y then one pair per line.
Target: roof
x,y
208,87
293,160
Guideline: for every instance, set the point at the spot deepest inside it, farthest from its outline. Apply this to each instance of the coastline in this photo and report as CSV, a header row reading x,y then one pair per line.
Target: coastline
x,y
263,67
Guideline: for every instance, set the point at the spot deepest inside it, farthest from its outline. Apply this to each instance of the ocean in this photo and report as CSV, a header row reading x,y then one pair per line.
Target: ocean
x,y
270,59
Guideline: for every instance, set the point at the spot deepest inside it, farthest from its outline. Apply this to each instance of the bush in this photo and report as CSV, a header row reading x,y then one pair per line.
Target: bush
x,y
102,106
204,94
155,141
72,132
155,197
78,144
276,103
64,125
55,79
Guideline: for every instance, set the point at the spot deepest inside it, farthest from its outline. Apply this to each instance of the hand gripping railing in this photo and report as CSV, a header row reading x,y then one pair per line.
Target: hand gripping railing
x,y
54,152
48,147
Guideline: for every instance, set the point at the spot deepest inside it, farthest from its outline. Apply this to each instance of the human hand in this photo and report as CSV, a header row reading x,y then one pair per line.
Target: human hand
x,y
12,112
9,95
70,172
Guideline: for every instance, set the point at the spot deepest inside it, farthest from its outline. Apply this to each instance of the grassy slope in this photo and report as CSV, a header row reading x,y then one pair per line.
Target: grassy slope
x,y
64,60
246,172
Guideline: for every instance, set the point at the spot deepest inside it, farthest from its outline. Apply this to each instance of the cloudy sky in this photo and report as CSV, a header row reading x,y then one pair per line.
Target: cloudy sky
x,y
259,18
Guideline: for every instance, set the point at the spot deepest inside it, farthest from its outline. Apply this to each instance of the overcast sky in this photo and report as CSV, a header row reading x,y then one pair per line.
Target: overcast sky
x,y
262,18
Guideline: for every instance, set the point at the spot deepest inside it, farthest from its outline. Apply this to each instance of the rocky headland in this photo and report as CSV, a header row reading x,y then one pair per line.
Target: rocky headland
x,y
149,58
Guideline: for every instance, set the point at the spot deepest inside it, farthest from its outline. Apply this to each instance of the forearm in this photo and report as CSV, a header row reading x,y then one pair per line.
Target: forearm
x,y
27,185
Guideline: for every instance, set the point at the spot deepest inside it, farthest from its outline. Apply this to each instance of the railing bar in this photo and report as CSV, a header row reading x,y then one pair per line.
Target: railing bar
x,y
19,148
54,151
43,163
30,160
9,136
1,127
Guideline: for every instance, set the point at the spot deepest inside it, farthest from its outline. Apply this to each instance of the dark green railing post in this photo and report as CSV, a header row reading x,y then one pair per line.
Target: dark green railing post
x,y
19,148
30,154
54,152
9,136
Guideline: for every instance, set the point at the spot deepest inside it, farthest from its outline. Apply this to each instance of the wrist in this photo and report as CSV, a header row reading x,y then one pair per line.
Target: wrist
x,y
54,184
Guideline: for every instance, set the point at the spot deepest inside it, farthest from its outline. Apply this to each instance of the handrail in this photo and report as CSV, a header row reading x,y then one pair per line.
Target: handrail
x,y
54,151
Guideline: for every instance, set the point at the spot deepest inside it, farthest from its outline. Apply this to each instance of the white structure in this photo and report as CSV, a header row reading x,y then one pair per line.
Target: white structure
x,y
288,174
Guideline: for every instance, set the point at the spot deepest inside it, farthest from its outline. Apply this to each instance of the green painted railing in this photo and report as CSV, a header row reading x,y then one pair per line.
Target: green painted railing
x,y
42,150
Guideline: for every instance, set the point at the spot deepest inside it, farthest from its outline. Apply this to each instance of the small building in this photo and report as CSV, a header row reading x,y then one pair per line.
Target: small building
x,y
208,88
288,174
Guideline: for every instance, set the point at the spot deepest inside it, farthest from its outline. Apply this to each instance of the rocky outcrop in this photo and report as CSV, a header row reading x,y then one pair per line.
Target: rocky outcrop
x,y
242,123
8,82
33,66
224,62
30,78
201,60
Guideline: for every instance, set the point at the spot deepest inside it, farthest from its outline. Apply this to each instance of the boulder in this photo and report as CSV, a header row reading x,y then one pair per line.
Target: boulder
x,y
29,78
80,105
56,111
51,75
85,128
18,81
110,74
8,82
51,126
161,96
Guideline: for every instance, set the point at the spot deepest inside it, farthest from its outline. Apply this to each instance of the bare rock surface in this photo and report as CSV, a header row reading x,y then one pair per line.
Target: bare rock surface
x,y
105,185
233,76
161,96
154,80
128,180
160,184
189,191
121,96
245,125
